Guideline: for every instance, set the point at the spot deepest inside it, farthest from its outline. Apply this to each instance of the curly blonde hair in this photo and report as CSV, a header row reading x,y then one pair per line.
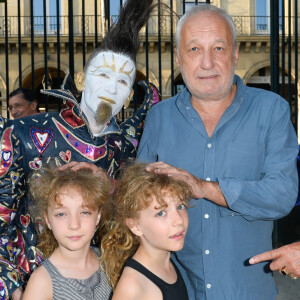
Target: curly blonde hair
x,y
45,185
135,191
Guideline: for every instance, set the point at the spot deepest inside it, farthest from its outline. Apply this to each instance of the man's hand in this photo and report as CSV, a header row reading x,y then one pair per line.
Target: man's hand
x,y
200,188
287,257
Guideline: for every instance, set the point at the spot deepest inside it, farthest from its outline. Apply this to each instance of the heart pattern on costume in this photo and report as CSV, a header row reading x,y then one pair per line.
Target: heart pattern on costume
x,y
25,220
65,156
12,276
35,164
131,131
41,138
14,176
6,155
4,241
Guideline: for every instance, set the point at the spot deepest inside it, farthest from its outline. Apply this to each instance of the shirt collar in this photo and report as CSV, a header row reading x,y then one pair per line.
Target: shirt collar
x,y
112,127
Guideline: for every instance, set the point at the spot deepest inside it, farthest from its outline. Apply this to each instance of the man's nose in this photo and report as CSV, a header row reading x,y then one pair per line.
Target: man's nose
x,y
207,61
111,87
13,111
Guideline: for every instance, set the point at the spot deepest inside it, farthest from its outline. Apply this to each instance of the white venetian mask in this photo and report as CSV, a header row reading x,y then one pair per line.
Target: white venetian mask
x,y
108,79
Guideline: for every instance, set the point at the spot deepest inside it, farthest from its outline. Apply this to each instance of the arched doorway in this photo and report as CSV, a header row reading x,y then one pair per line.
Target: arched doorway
x,y
262,79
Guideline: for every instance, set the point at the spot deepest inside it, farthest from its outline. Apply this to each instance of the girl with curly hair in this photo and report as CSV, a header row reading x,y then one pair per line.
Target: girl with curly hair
x,y
68,205
148,220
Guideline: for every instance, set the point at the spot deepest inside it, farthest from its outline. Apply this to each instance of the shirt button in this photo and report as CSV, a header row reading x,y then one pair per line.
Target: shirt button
x,y
206,216
207,179
208,285
206,251
209,145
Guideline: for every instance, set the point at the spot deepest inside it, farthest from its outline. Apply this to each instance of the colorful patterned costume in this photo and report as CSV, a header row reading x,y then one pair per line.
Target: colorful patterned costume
x,y
59,137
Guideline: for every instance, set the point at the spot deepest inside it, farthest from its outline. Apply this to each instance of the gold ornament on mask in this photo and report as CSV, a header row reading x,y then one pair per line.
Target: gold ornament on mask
x,y
79,81
127,101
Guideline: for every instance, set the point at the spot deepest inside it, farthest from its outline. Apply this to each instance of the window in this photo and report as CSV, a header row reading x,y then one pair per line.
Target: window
x,y
190,3
262,10
38,12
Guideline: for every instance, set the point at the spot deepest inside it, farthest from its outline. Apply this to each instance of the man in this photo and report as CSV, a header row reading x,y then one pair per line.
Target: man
x,y
21,103
87,132
236,147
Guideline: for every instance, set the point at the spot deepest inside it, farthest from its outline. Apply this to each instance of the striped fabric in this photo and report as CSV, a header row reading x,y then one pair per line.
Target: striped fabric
x,y
96,287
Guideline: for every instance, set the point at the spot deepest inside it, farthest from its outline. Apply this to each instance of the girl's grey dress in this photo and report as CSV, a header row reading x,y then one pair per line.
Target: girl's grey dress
x,y
96,287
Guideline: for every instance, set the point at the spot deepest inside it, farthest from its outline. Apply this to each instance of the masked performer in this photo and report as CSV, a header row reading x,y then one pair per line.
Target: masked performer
x,y
84,132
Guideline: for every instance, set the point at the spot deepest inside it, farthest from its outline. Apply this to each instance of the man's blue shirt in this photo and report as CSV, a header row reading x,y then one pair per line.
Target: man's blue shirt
x,y
252,155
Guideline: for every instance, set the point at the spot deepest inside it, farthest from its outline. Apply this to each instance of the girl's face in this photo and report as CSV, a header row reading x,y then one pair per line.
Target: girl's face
x,y
73,223
162,228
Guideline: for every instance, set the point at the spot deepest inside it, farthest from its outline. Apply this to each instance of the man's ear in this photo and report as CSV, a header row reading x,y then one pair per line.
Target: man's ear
x,y
34,105
177,59
47,221
236,56
133,226
127,101
79,81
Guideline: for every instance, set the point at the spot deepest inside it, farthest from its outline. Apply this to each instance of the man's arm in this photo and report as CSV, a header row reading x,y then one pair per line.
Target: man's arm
x,y
200,188
273,194
287,257
269,196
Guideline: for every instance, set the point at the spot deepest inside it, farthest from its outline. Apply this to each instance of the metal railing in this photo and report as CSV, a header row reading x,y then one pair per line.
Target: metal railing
x,y
245,25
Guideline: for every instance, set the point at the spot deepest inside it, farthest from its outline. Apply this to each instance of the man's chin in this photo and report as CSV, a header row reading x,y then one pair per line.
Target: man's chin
x,y
103,113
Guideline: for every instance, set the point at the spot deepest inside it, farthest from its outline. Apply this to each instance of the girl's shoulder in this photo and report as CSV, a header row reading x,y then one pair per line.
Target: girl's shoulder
x,y
140,286
131,278
39,285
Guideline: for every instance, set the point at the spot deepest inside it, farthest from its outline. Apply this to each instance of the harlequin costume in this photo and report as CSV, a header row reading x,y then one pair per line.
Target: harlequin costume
x,y
60,137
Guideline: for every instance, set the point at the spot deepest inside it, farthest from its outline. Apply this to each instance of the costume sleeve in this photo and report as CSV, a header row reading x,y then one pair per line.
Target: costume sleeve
x,y
133,126
274,194
14,261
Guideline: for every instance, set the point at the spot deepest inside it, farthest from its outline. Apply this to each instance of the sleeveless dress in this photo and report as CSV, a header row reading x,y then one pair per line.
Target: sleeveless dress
x,y
175,291
95,287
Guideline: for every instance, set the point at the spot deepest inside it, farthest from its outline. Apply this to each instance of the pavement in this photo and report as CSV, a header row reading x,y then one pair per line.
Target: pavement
x,y
288,289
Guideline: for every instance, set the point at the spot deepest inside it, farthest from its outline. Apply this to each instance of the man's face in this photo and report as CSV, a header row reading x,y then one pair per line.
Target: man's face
x,y
19,107
207,58
108,80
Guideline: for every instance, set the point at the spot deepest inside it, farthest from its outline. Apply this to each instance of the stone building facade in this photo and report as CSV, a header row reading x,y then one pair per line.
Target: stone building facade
x,y
252,19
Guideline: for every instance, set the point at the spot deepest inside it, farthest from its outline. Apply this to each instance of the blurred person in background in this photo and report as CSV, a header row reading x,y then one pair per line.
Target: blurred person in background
x,y
21,103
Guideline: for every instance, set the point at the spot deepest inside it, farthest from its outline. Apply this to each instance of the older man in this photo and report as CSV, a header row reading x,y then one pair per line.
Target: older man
x,y
85,132
21,103
237,149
